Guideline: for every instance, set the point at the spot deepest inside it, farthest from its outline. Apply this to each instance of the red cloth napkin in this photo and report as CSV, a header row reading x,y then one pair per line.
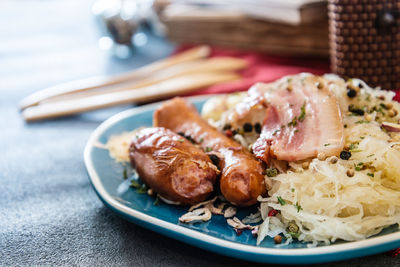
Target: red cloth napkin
x,y
265,68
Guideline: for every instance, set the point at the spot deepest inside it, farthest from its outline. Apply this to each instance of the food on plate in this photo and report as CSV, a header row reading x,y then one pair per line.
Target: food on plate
x,y
242,179
320,156
350,192
300,118
173,167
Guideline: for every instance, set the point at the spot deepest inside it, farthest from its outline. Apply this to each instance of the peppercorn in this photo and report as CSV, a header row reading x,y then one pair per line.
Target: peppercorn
x,y
190,139
345,155
321,156
229,133
278,239
305,165
333,160
271,172
351,92
350,173
272,212
356,111
247,127
227,127
257,127
393,112
293,227
150,191
214,158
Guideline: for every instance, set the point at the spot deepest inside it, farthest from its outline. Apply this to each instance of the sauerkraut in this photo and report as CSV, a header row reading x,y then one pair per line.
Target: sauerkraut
x,y
332,198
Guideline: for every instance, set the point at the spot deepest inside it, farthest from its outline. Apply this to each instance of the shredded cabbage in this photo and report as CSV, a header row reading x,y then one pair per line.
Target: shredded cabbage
x,y
340,199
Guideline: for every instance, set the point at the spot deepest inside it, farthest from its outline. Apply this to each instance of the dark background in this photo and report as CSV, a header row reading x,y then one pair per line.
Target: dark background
x,y
49,214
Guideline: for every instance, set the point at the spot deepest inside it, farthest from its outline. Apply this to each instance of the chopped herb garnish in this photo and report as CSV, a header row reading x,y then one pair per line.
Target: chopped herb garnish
x,y
299,208
356,111
362,121
271,172
359,166
327,144
281,201
302,112
293,122
292,189
181,140
370,174
352,147
295,131
201,140
142,189
135,184
370,155
125,174
208,149
294,235
362,137
157,201
275,132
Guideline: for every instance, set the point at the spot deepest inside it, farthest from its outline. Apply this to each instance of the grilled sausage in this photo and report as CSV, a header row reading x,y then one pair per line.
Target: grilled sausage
x,y
242,179
172,166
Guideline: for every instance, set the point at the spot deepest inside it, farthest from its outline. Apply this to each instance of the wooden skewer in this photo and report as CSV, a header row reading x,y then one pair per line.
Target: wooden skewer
x,y
96,82
219,64
171,87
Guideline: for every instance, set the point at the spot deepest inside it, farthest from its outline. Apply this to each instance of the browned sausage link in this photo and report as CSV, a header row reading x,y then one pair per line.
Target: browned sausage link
x,y
172,166
242,179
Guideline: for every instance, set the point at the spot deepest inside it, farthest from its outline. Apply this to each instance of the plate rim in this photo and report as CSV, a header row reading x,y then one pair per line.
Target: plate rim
x,y
377,244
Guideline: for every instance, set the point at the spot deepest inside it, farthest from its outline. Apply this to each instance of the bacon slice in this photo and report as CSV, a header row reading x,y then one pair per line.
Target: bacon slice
x,y
301,118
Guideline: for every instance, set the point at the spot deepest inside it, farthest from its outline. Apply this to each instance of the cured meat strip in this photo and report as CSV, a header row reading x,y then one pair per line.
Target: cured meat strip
x,y
300,117
172,166
300,122
242,179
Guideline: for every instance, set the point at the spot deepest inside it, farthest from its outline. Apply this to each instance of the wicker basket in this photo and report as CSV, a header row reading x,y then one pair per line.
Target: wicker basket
x,y
365,40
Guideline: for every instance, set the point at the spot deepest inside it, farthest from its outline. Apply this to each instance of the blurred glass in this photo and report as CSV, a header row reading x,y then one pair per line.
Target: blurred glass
x,y
124,24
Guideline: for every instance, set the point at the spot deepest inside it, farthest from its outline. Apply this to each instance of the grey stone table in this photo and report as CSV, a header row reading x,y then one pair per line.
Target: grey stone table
x,y
49,214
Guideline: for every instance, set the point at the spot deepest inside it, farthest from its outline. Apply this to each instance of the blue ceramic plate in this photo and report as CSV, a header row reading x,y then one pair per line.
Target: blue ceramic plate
x,y
107,179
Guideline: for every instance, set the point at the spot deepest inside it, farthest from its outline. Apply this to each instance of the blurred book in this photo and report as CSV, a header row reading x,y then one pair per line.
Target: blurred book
x,y
294,27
